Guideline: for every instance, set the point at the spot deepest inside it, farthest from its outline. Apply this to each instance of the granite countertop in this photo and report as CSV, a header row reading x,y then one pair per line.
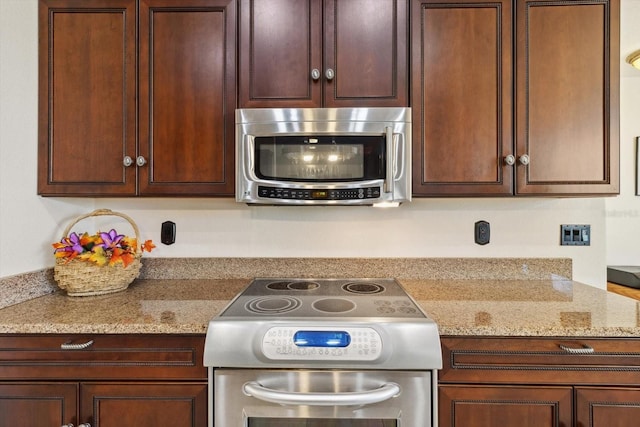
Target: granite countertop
x,y
460,307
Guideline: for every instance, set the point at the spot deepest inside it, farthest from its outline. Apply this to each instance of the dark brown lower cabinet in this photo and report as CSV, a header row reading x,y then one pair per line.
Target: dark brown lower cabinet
x,y
102,380
539,382
505,406
103,404
607,407
37,405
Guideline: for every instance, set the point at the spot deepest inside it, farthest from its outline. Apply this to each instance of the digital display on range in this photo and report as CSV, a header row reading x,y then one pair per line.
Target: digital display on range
x,y
319,194
321,339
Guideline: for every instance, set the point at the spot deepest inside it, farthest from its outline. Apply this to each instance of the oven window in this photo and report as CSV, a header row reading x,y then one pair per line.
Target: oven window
x,y
318,422
320,159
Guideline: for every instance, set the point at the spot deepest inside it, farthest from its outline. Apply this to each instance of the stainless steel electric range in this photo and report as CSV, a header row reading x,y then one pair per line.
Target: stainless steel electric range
x,y
322,352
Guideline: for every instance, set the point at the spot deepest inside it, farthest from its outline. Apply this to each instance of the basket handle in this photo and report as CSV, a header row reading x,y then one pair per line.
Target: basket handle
x,y
105,212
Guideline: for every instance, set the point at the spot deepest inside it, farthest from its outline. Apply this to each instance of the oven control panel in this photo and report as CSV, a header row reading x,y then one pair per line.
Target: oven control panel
x,y
309,343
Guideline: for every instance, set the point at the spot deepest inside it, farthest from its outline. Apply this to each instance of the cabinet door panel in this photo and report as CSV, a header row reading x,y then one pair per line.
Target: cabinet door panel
x,y
187,97
87,97
119,356
461,98
366,46
37,405
280,44
607,407
529,360
568,103
144,405
462,406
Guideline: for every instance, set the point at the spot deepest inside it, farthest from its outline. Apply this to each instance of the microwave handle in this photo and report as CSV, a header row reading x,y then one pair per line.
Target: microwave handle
x,y
369,397
391,160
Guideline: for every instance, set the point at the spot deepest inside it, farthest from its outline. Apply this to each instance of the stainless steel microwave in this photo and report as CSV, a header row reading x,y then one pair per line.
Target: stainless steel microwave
x,y
323,156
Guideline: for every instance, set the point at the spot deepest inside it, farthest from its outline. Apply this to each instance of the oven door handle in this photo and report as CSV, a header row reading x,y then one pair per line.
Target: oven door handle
x,y
385,392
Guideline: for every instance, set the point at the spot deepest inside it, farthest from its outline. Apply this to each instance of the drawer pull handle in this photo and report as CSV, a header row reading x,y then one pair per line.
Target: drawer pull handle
x,y
585,349
69,346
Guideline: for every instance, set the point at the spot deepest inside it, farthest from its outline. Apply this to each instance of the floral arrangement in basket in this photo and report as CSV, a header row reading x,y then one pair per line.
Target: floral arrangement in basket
x,y
100,263
102,248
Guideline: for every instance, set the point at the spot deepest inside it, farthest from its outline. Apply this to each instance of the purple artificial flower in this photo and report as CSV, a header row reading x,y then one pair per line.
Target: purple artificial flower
x,y
111,239
71,244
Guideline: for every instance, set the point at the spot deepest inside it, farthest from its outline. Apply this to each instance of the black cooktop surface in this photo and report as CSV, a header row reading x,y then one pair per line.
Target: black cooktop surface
x,y
308,298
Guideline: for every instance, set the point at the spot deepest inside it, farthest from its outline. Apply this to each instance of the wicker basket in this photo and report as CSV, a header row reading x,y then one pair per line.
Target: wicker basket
x,y
82,278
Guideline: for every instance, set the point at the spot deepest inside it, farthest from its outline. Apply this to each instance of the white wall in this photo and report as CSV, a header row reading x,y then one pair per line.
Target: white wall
x,y
623,212
520,227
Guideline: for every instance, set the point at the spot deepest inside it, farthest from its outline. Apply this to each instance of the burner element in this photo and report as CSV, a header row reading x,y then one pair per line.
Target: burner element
x,y
334,305
273,305
298,285
363,288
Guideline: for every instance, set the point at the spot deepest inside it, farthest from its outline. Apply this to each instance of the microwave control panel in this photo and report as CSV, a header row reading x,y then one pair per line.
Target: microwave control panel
x,y
319,194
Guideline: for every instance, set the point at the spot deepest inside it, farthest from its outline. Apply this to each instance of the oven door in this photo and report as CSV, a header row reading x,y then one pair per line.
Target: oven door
x,y
323,398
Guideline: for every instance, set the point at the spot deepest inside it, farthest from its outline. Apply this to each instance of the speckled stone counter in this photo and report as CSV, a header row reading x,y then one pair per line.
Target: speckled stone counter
x,y
147,306
467,307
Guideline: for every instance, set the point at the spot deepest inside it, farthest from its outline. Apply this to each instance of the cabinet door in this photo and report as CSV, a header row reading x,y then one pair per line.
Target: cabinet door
x,y
567,96
607,407
363,43
366,47
187,97
280,44
37,405
87,97
144,405
462,97
463,406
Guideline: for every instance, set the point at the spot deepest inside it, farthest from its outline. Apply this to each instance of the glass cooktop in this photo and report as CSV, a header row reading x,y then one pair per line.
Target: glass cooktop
x,y
336,298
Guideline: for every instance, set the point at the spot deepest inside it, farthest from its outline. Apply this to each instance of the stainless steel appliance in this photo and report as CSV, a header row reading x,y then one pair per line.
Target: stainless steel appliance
x,y
627,275
322,352
323,156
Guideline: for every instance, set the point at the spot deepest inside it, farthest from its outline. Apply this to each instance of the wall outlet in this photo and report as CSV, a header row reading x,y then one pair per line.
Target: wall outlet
x,y
482,232
168,232
575,235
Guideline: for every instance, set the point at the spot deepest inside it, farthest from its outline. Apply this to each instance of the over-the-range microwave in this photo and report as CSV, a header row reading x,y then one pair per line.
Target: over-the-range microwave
x,y
323,156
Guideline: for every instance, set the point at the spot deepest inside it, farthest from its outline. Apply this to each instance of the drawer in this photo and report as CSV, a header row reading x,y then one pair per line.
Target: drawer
x,y
527,360
129,356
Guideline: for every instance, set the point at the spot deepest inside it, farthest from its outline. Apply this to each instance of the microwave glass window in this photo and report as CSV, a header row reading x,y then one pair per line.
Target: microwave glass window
x,y
320,159
317,422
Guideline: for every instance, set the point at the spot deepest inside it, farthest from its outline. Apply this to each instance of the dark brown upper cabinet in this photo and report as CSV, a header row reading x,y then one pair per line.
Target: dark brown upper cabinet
x,y
87,97
104,133
187,97
314,53
568,97
540,121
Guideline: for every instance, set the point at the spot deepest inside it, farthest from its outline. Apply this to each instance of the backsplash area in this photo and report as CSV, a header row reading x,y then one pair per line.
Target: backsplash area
x,y
19,288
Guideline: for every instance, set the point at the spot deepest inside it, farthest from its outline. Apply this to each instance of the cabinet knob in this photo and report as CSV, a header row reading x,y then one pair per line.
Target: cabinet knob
x,y
524,159
510,160
329,74
315,74
140,161
127,161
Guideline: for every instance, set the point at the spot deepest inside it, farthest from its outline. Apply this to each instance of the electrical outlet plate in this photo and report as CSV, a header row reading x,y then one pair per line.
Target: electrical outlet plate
x,y
482,232
168,232
575,235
